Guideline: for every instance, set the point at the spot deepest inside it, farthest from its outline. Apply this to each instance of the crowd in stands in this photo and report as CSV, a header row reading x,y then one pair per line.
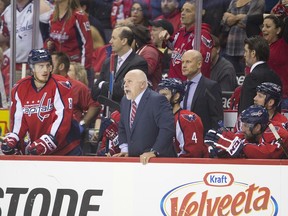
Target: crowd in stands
x,y
119,53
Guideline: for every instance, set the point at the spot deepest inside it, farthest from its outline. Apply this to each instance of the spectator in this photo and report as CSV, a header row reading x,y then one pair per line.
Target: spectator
x,y
269,95
41,107
203,96
189,128
183,40
126,59
101,10
277,5
222,71
171,13
143,108
276,34
158,26
97,31
256,54
256,141
235,19
149,52
78,72
24,31
213,14
70,32
121,9
139,13
3,5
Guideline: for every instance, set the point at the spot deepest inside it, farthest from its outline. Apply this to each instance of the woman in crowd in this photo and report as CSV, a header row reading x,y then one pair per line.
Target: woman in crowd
x,y
149,52
275,31
70,33
78,72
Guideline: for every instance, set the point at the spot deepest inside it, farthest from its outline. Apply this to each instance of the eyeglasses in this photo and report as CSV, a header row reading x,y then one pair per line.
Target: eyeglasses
x,y
136,9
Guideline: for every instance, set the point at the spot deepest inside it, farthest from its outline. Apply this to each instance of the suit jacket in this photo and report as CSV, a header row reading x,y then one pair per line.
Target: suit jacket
x,y
207,103
133,61
261,73
153,126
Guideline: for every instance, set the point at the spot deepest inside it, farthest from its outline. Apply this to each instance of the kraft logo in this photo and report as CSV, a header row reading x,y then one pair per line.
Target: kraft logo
x,y
218,179
218,194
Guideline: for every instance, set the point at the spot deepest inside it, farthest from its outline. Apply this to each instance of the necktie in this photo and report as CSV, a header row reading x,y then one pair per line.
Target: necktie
x,y
133,113
119,61
186,94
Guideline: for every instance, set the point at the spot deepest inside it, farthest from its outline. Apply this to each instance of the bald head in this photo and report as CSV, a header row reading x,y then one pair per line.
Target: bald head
x,y
191,63
135,82
138,75
194,54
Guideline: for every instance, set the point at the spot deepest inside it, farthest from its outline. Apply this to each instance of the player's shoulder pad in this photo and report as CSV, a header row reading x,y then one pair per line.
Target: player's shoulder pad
x,y
23,80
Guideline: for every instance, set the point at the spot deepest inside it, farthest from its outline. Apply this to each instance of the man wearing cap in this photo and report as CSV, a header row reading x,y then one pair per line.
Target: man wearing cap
x,y
157,27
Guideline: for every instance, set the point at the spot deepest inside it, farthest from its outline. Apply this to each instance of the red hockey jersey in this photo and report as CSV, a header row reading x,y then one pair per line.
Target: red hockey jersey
x,y
73,36
268,147
183,41
189,135
48,111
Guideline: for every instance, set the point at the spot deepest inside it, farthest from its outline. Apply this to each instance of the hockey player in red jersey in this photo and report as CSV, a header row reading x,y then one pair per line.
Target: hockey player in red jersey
x,y
258,139
41,109
189,127
269,95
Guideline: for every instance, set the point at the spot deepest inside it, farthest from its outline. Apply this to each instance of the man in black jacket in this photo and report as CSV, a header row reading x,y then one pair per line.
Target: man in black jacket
x,y
256,54
124,60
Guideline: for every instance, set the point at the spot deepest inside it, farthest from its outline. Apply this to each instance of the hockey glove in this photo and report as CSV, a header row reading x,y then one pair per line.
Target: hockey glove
x,y
43,146
9,144
111,132
225,141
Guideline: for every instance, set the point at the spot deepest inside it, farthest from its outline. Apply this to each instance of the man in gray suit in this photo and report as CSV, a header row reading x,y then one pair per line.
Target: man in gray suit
x,y
146,127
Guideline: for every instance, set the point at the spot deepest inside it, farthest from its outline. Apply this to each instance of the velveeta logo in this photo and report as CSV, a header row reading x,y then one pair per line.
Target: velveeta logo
x,y
219,194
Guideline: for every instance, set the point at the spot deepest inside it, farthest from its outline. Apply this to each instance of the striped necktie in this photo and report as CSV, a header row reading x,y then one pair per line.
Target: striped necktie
x,y
119,62
133,113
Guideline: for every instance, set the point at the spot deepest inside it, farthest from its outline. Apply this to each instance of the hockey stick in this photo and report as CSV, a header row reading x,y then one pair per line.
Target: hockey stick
x,y
108,102
110,92
111,82
279,139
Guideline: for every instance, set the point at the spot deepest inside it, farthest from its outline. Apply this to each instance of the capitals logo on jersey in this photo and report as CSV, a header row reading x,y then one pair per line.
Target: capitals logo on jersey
x,y
39,108
65,84
189,117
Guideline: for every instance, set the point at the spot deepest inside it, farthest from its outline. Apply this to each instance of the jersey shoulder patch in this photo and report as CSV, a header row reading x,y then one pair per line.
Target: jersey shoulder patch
x,y
189,117
65,84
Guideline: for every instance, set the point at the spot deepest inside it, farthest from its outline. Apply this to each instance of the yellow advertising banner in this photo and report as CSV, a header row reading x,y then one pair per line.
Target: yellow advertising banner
x,y
4,121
